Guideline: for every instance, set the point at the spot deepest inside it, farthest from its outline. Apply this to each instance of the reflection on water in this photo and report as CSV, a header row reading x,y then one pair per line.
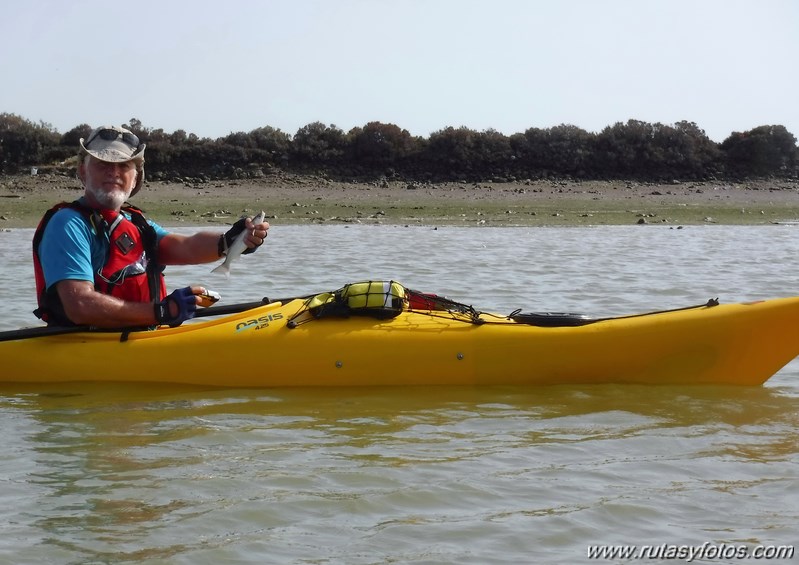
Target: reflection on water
x,y
368,475
121,473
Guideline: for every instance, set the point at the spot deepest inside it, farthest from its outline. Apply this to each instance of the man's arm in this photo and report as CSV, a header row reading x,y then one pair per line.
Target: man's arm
x,y
84,306
87,307
203,247
177,249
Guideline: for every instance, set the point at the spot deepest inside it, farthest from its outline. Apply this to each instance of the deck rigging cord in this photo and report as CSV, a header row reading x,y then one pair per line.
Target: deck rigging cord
x,y
384,300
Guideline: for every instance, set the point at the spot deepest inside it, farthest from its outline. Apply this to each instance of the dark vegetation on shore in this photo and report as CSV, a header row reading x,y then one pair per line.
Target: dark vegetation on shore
x,y
632,150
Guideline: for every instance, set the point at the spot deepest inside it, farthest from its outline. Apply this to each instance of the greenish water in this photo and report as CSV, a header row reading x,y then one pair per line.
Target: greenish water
x,y
133,474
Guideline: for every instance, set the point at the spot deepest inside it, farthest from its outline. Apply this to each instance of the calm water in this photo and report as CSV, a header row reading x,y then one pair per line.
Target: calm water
x,y
124,474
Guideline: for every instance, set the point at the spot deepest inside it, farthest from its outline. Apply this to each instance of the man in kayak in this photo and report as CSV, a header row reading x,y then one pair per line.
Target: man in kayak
x,y
98,261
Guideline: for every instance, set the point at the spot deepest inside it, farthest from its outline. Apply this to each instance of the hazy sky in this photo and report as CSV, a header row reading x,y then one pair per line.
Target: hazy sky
x,y
212,67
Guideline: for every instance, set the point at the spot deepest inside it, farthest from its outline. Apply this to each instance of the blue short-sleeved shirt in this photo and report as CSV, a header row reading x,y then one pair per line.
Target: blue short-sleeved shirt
x,y
71,250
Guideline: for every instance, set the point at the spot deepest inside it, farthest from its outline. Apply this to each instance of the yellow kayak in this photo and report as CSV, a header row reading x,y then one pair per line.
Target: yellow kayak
x,y
397,338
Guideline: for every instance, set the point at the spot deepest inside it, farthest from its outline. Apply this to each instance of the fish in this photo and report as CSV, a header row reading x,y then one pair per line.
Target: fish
x,y
236,248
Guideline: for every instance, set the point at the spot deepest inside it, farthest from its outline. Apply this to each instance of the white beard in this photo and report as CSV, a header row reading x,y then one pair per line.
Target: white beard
x,y
109,200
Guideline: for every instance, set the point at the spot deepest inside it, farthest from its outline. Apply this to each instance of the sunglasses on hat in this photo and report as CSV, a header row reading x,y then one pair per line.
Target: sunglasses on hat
x,y
112,135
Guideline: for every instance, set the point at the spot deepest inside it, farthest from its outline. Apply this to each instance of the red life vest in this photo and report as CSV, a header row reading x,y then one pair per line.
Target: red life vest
x,y
130,271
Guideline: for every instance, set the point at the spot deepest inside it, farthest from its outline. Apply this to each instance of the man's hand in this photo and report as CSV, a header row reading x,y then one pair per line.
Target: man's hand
x,y
178,306
256,234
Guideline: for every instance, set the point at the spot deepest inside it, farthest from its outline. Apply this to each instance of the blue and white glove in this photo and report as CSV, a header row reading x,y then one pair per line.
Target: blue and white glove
x,y
186,304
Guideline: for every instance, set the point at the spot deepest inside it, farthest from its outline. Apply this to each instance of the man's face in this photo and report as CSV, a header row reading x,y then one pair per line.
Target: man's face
x,y
108,185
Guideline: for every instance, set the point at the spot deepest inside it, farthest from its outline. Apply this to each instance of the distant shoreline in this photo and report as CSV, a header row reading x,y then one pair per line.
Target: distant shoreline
x,y
298,199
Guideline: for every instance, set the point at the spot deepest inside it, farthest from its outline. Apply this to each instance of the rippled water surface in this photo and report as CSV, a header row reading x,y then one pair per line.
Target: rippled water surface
x,y
133,474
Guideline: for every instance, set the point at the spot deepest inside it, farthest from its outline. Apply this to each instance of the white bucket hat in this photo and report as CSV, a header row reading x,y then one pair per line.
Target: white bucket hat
x,y
114,144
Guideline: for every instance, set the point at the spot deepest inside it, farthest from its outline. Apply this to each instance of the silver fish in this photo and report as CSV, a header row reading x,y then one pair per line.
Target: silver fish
x,y
237,248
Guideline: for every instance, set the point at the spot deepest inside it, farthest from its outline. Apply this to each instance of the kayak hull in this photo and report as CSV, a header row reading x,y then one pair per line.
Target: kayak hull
x,y
735,344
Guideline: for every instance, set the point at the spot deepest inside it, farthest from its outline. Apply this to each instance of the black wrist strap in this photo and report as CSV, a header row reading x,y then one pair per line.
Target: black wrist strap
x,y
162,312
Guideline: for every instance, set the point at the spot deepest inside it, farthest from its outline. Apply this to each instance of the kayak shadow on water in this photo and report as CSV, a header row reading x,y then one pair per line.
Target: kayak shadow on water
x,y
103,465
108,428
125,406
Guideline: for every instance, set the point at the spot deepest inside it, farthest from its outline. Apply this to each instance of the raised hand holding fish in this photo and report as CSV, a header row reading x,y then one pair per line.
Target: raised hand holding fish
x,y
233,243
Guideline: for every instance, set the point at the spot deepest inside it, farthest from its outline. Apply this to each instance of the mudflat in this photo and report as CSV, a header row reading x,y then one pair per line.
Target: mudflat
x,y
308,199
